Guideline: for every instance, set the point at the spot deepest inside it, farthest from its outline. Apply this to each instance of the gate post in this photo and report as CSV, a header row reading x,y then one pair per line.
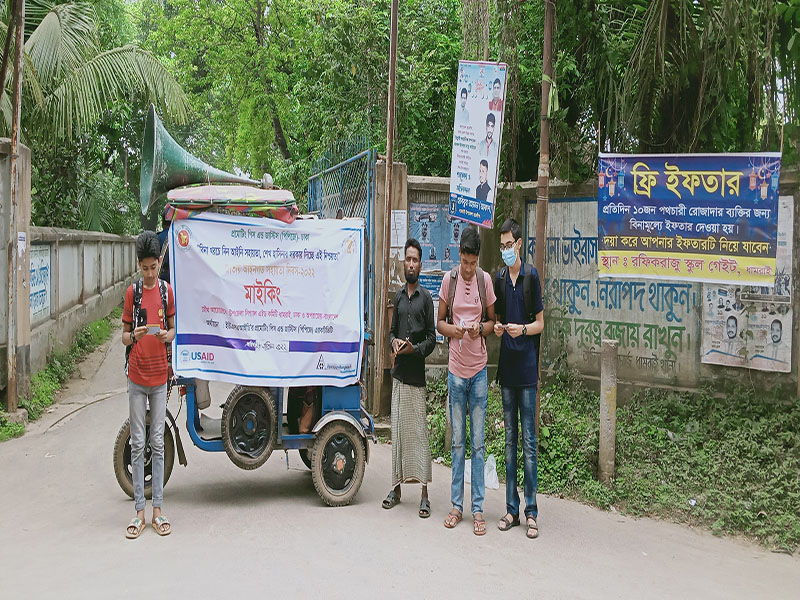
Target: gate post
x,y
608,410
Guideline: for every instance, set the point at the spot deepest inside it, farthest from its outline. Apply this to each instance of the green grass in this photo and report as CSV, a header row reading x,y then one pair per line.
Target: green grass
x,y
46,383
730,464
9,430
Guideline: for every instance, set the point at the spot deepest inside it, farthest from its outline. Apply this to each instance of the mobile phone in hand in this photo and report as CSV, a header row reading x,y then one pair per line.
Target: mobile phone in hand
x,y
142,320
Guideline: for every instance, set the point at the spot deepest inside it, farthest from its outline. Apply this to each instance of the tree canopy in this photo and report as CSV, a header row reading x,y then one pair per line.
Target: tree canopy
x,y
271,84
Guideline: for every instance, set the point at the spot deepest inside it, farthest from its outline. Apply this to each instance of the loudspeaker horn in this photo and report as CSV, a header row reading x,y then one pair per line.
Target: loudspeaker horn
x,y
165,165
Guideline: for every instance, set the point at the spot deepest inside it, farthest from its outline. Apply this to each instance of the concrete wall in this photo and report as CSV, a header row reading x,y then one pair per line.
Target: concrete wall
x,y
581,309
87,276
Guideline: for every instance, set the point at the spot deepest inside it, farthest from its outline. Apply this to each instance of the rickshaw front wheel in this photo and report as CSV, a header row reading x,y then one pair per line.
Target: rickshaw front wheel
x,y
122,458
337,463
248,426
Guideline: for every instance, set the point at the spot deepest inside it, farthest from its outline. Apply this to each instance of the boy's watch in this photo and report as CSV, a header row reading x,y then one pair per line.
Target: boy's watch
x,y
525,329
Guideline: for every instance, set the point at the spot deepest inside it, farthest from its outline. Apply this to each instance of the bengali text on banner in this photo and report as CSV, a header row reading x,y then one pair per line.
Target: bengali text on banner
x,y
689,217
261,302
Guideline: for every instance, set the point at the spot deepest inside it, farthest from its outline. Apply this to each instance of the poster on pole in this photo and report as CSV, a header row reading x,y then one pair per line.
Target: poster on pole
x,y
689,217
265,303
477,133
751,326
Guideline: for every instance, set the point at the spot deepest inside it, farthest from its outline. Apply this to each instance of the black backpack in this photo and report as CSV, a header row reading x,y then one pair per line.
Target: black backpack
x,y
137,304
527,294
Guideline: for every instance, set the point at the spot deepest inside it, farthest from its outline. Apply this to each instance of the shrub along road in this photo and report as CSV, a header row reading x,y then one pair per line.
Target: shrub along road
x,y
267,531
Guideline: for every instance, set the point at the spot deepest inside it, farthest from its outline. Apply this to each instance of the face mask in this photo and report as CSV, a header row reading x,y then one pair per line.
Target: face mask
x,y
509,257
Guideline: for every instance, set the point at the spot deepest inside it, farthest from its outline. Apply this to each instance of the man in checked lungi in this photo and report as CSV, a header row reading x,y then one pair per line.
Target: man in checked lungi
x,y
412,337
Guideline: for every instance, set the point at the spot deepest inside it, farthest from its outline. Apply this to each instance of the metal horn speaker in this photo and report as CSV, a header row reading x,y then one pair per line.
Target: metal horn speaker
x,y
165,165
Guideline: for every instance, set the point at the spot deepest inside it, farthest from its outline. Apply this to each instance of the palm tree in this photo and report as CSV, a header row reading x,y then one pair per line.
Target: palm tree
x,y
69,80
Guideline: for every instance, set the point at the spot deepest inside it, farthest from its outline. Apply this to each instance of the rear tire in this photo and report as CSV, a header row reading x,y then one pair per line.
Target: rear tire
x,y
337,463
123,470
249,429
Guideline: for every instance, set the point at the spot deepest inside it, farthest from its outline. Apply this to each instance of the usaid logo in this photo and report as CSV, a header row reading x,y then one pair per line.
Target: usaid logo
x,y
206,357
184,356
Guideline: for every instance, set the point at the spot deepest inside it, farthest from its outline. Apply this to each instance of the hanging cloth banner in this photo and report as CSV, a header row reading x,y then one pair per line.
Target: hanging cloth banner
x,y
689,217
477,133
265,303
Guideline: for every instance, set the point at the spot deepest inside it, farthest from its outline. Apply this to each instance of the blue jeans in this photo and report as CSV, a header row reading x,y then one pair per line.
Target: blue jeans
x,y
138,397
520,401
468,394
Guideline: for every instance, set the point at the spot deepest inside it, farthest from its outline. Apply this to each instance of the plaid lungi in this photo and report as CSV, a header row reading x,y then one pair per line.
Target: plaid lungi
x,y
411,453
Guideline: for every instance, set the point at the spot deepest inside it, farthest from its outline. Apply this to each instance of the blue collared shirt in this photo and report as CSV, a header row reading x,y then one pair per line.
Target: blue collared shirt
x,y
518,366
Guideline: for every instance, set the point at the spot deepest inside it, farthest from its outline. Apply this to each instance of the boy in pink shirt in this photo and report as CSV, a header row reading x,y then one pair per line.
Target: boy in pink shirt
x,y
469,321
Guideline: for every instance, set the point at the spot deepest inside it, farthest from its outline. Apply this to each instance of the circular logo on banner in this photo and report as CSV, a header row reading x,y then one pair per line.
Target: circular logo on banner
x,y
184,237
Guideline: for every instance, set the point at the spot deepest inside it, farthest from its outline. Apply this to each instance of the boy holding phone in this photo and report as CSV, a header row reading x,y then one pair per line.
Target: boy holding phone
x,y
148,323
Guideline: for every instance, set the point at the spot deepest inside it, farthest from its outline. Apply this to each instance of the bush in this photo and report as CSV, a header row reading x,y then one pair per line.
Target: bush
x,y
727,462
8,429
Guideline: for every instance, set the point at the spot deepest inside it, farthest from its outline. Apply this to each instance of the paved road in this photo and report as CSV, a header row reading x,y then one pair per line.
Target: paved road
x,y
266,532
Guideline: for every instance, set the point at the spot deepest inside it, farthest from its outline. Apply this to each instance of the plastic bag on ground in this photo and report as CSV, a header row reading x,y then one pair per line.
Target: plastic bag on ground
x,y
490,473
490,478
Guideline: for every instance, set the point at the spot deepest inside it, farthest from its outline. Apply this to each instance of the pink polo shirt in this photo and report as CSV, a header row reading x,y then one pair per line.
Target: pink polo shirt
x,y
468,356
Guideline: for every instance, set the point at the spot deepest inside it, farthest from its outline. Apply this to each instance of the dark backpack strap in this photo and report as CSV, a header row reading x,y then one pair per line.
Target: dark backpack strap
x,y
162,287
451,294
527,296
482,292
527,293
137,304
500,294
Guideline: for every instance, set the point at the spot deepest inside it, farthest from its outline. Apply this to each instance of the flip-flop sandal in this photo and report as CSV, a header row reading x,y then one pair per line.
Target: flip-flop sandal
x,y
137,524
505,523
533,528
478,526
452,519
391,500
424,508
159,522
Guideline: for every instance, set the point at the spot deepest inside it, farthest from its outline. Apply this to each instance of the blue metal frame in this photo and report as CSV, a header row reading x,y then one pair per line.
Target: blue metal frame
x,y
315,190
191,413
345,400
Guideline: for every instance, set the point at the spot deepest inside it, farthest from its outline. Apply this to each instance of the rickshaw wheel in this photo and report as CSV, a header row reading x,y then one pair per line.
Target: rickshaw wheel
x,y
248,426
123,469
337,463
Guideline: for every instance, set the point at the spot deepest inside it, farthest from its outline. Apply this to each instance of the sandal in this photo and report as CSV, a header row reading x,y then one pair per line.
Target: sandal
x,y
391,500
478,525
452,518
424,508
533,528
159,524
137,525
508,521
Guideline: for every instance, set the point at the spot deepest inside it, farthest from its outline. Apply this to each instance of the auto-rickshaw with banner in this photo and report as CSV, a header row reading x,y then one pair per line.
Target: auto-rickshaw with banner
x,y
271,302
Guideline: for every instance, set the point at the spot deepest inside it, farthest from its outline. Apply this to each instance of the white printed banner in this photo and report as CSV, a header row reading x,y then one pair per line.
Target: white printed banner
x,y
265,303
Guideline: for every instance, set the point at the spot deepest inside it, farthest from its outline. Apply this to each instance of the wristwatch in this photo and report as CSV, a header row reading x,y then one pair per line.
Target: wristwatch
x,y
133,338
525,329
